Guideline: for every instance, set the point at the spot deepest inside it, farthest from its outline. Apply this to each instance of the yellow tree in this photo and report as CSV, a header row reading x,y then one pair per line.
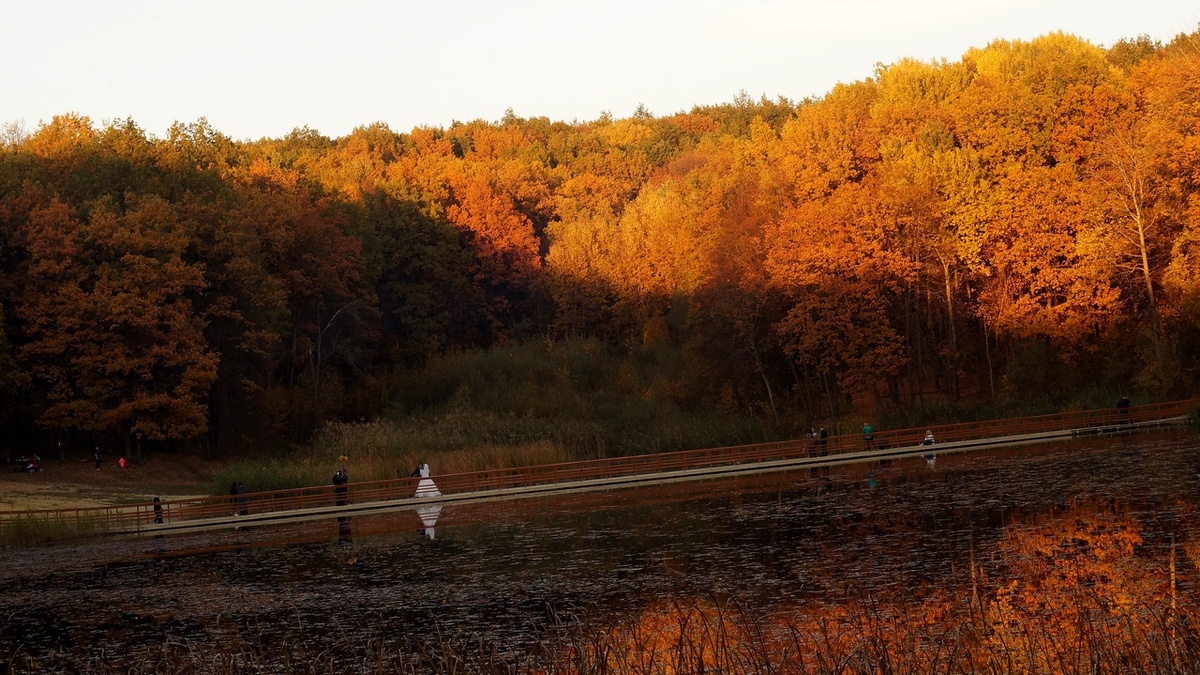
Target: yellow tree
x,y
935,190
1047,274
836,261
1046,279
1149,162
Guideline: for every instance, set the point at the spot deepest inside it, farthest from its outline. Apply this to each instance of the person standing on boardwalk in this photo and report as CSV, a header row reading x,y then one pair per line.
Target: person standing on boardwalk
x,y
868,435
96,456
1123,408
426,487
339,486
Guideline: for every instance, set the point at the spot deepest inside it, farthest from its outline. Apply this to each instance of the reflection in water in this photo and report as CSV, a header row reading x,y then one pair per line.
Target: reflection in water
x,y
1020,549
429,517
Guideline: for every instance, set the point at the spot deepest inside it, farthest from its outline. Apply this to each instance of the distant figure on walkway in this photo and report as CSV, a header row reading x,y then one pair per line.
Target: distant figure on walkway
x,y
241,499
339,486
869,435
158,518
123,463
233,496
96,456
928,438
1123,408
823,441
426,486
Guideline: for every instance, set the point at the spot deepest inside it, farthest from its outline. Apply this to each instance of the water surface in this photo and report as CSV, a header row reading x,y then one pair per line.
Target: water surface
x,y
507,573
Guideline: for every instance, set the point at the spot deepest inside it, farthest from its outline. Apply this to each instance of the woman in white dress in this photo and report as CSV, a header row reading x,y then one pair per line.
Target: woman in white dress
x,y
426,486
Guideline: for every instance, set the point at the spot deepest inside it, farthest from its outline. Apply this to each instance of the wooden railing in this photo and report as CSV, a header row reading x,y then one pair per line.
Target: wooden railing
x,y
147,516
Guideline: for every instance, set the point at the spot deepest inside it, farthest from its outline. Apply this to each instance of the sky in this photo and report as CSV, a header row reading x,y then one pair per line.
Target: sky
x,y
261,68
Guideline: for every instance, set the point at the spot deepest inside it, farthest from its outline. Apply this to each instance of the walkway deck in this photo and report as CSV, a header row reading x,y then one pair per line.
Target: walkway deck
x,y
320,503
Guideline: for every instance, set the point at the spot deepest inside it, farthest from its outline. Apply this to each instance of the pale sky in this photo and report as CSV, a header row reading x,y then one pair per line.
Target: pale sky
x,y
258,68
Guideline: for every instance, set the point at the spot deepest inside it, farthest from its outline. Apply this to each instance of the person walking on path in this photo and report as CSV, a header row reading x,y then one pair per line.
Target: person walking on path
x,y
869,435
96,456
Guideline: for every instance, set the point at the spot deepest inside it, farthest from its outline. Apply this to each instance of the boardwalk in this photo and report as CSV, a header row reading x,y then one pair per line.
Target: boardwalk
x,y
319,503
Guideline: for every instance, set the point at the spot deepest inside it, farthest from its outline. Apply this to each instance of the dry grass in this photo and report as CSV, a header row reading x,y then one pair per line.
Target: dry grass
x,y
703,635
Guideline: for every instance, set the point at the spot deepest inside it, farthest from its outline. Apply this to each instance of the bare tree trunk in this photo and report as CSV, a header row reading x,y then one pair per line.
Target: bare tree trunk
x,y
952,360
766,383
1123,158
987,350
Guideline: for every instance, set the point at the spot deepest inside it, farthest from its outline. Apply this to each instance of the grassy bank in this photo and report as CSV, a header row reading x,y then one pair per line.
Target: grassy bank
x,y
548,402
536,403
34,530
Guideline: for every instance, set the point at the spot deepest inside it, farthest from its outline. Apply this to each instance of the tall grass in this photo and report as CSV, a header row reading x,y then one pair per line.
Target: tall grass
x,y
546,402
527,404
32,530
702,634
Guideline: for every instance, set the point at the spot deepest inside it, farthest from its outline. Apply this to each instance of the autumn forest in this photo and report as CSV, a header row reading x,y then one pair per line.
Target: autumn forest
x,y
1024,219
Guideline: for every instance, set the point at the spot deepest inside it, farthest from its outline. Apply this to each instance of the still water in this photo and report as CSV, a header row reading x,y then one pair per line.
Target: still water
x,y
509,573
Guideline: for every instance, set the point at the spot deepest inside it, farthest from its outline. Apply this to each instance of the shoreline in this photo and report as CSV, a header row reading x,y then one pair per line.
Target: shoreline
x,y
77,484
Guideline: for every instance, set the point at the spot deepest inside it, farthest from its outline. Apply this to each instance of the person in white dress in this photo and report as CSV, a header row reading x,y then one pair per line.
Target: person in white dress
x,y
426,486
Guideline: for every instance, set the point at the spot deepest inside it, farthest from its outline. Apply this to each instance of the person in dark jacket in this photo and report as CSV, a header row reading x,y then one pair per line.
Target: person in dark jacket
x,y
339,486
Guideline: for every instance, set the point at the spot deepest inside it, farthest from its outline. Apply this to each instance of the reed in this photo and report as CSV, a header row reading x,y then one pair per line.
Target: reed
x,y
507,407
703,634
23,530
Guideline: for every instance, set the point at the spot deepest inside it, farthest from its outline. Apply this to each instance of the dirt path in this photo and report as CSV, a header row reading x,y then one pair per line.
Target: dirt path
x,y
78,484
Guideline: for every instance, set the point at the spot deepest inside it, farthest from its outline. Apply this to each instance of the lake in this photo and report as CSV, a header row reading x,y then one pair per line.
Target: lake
x,y
956,552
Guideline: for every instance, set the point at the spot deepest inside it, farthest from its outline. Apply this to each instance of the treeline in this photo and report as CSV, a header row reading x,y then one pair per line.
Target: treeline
x,y
1024,219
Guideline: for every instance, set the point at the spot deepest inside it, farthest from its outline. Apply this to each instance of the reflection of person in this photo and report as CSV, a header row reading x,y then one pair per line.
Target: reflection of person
x,y
339,486
429,517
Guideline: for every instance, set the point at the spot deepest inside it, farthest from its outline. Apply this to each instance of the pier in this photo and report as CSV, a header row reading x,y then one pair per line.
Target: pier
x,y
322,502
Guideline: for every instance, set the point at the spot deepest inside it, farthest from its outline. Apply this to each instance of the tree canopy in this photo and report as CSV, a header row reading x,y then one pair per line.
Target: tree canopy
x,y
912,236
